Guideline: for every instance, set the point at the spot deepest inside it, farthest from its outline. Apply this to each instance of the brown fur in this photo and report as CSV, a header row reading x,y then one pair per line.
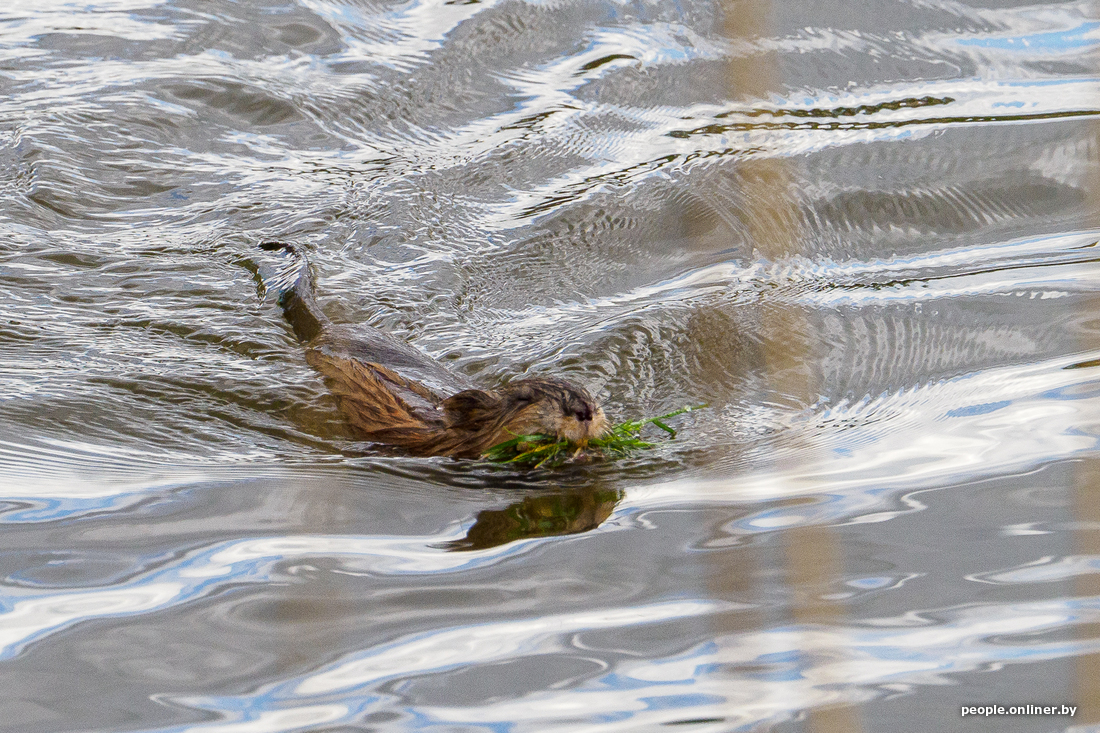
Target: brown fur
x,y
392,393
388,408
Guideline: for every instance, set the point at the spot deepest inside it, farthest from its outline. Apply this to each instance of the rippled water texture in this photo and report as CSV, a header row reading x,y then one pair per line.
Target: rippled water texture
x,y
863,232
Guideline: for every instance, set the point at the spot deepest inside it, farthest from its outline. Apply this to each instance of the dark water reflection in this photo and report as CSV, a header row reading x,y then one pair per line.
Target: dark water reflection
x,y
864,233
539,516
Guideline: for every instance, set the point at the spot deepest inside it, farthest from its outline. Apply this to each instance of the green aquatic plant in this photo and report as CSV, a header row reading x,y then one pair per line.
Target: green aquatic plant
x,y
547,450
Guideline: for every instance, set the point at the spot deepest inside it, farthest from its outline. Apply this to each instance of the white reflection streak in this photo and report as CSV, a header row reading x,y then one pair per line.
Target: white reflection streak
x,y
410,33
73,469
756,688
383,555
33,617
24,23
922,446
838,283
431,653
757,676
671,131
489,642
30,617
281,720
67,8
1044,570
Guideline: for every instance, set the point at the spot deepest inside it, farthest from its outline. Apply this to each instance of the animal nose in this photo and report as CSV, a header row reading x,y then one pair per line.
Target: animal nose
x,y
584,414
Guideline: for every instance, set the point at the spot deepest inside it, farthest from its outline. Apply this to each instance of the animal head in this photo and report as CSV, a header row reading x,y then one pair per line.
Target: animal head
x,y
540,405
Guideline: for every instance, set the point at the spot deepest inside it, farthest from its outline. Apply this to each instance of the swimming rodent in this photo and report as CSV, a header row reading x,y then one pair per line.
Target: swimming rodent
x,y
393,393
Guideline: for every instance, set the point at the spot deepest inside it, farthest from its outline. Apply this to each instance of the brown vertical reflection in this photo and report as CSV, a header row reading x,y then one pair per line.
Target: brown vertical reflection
x,y
1087,542
772,223
1086,506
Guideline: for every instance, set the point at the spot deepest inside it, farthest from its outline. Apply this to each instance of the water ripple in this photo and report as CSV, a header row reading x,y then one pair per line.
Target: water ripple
x,y
862,233
1014,419
778,671
29,616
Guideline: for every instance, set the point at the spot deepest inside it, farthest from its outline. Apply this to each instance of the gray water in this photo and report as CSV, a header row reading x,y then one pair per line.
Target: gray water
x,y
863,233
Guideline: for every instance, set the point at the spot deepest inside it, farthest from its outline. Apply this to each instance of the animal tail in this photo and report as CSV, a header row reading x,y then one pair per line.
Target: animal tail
x,y
294,285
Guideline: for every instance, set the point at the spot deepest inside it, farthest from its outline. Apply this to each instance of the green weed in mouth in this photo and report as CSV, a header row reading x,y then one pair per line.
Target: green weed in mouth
x,y
546,450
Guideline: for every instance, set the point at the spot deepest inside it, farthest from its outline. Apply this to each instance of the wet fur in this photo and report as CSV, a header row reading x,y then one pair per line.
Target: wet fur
x,y
393,393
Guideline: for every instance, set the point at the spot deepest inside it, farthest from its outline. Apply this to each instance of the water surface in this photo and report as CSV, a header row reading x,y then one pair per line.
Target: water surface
x,y
863,233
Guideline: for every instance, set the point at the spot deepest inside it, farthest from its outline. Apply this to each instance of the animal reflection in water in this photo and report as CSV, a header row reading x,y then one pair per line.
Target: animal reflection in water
x,y
539,516
395,394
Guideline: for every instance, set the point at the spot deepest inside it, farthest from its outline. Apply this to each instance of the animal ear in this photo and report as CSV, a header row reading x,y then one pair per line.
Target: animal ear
x,y
470,409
